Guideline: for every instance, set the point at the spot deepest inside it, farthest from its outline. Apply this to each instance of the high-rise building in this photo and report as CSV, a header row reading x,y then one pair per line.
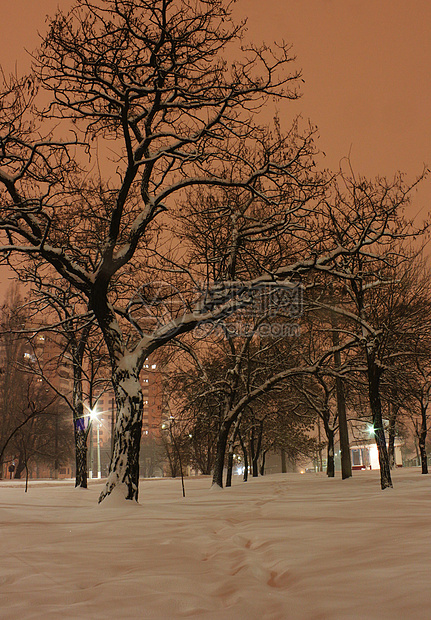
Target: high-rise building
x,y
105,408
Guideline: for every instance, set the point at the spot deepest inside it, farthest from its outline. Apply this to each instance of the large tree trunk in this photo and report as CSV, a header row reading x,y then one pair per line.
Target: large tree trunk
x,y
245,457
422,439
81,432
256,450
229,467
262,463
124,467
80,454
416,442
220,453
230,458
255,467
346,462
20,467
330,467
374,374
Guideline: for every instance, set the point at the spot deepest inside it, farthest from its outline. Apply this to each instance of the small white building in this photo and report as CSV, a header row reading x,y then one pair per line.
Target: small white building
x,y
366,456
363,449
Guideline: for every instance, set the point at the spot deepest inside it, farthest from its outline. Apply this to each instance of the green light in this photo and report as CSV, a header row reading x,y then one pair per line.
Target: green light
x,y
371,430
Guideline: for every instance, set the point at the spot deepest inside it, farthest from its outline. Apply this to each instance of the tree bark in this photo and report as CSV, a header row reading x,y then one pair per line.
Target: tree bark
x,y
418,454
229,468
330,467
230,457
245,457
422,439
80,454
374,374
256,451
124,467
343,430
26,477
220,453
80,431
254,468
262,463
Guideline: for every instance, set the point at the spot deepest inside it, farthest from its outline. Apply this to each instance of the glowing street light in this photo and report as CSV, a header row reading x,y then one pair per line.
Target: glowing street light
x,y
93,417
371,430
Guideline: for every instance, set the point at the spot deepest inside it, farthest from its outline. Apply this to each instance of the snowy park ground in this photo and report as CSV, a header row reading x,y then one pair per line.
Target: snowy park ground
x,y
286,546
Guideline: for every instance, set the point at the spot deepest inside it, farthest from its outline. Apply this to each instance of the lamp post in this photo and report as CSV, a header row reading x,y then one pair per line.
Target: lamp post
x,y
99,471
90,473
93,417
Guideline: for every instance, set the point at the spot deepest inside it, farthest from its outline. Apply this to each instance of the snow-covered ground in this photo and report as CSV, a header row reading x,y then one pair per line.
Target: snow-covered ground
x,y
286,546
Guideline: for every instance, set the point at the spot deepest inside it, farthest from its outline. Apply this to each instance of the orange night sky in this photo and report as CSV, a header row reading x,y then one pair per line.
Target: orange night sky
x,y
366,65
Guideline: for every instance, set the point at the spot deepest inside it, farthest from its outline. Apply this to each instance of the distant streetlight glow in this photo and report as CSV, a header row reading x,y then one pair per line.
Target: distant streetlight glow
x,y
371,430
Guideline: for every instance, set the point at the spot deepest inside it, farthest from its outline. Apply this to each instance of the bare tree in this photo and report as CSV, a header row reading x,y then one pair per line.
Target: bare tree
x,y
145,84
407,386
191,388
70,349
148,75
31,424
373,287
274,423
46,438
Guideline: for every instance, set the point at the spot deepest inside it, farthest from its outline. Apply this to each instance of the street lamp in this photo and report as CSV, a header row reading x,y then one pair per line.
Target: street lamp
x,y
93,417
371,430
